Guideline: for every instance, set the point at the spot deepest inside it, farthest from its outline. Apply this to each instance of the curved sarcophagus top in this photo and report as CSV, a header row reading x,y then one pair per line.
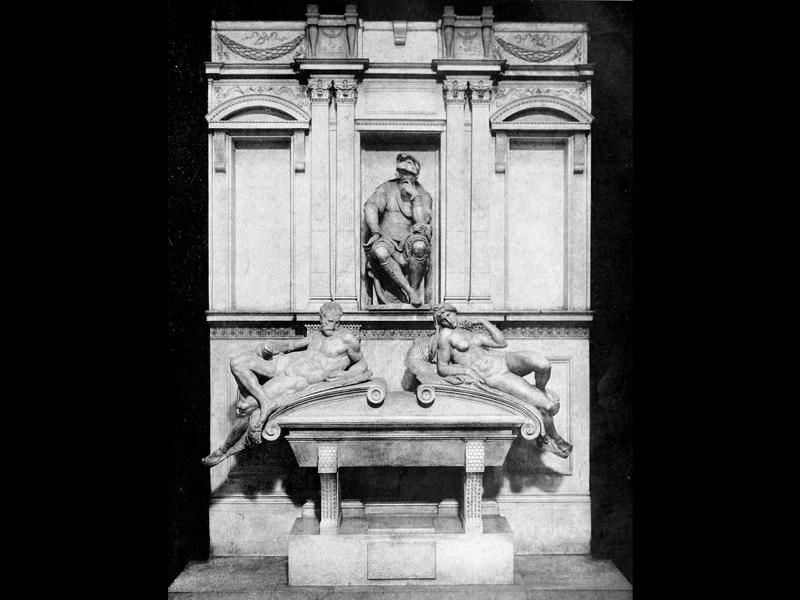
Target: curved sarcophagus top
x,y
372,427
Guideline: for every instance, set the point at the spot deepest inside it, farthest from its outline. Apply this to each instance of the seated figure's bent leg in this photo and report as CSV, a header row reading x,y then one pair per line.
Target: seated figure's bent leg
x,y
381,255
519,388
244,409
417,262
275,388
526,362
245,369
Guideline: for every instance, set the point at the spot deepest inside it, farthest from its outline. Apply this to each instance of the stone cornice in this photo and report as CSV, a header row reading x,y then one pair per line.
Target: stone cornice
x,y
449,67
317,67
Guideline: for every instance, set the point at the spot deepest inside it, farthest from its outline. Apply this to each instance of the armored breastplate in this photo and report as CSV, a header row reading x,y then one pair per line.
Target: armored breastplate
x,y
396,220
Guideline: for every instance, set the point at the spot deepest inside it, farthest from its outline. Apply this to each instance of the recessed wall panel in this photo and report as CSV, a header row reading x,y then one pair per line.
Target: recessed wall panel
x,y
535,213
261,224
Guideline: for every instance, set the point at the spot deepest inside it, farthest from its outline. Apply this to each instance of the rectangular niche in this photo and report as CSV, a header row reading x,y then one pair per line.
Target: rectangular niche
x,y
377,160
261,215
536,216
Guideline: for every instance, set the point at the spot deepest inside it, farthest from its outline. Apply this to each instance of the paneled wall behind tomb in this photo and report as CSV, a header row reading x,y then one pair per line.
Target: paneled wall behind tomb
x,y
306,119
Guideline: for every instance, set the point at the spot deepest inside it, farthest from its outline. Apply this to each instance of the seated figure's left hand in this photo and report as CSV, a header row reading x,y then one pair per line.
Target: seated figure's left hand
x,y
421,228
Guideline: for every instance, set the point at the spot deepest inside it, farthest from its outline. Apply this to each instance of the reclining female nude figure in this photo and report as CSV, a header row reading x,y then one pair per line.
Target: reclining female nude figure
x,y
471,357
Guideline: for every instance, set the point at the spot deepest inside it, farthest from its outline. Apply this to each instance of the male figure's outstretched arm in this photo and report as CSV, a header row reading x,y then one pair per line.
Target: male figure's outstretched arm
x,y
357,363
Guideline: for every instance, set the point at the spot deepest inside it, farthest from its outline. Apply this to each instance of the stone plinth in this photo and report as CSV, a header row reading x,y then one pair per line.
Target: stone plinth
x,y
401,550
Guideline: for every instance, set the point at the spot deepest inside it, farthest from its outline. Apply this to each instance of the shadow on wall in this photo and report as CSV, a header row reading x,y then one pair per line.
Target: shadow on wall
x,y
271,468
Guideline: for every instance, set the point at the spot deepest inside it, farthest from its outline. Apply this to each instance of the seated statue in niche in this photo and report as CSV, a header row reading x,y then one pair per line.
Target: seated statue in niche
x,y
277,371
397,231
458,355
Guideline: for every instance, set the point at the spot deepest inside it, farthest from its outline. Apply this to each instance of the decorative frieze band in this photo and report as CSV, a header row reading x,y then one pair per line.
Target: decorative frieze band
x,y
354,327
251,332
393,334
506,95
297,94
546,332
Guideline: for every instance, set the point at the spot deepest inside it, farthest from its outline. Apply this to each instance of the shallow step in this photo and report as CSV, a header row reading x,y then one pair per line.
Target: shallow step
x,y
550,577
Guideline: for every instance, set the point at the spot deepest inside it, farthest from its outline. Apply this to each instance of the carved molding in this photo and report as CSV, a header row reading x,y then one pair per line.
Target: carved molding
x,y
297,94
251,332
235,104
576,95
354,327
392,334
572,110
401,124
547,332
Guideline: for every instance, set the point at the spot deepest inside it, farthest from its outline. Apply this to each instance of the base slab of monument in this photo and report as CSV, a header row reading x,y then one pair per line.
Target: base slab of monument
x,y
401,550
542,577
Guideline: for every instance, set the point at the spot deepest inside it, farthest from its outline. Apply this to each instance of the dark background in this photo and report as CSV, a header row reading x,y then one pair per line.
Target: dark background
x,y
611,51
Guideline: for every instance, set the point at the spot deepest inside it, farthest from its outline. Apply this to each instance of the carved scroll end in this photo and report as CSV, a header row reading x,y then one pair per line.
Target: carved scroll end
x,y
271,432
426,395
530,430
376,393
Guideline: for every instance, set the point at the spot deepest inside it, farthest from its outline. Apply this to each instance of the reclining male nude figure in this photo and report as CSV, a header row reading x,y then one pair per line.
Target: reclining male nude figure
x,y
335,355
471,355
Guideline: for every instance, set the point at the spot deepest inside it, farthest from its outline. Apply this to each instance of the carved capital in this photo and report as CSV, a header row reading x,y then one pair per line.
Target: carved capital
x,y
480,92
474,456
319,90
346,90
327,458
455,92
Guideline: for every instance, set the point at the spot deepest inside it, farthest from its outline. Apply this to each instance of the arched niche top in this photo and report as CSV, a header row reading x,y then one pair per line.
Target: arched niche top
x,y
258,112
542,112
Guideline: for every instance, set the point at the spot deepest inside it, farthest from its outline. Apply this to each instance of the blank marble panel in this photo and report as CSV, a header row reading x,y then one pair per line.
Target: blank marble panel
x,y
262,212
535,224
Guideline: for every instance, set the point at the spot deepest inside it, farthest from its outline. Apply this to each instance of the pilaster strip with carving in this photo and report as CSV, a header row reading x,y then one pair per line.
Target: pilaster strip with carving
x,y
480,277
500,152
345,271
330,504
457,208
473,486
320,284
579,159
